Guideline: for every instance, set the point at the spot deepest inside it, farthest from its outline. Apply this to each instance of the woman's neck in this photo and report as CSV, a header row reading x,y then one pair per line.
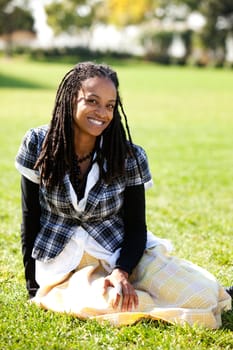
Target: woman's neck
x,y
84,144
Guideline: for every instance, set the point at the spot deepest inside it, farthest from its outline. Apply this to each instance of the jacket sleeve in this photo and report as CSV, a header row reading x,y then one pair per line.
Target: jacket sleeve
x,y
29,229
135,228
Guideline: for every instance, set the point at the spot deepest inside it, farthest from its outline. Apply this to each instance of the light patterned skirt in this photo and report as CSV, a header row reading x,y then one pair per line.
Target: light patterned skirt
x,y
168,289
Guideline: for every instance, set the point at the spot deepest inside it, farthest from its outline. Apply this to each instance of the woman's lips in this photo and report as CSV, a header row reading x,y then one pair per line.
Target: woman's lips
x,y
96,122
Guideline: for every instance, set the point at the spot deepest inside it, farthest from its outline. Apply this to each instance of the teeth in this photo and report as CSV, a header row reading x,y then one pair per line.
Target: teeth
x,y
96,122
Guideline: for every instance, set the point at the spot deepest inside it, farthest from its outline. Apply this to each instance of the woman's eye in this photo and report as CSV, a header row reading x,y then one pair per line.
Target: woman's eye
x,y
92,101
110,107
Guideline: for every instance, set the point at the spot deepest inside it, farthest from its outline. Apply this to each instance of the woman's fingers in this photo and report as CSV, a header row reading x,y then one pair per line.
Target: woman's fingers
x,y
106,284
127,296
116,301
124,291
129,299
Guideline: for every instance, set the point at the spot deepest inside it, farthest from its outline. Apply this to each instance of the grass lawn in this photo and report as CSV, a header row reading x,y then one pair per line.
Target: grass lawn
x,y
183,117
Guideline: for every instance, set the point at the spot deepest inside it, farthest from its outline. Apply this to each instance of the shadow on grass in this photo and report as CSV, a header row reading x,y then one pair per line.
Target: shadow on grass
x,y
14,82
227,320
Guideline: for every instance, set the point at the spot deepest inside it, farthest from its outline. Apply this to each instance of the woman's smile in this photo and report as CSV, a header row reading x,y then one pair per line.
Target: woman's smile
x,y
96,122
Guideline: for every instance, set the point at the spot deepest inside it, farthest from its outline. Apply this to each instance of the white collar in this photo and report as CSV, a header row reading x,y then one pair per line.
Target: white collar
x,y
92,178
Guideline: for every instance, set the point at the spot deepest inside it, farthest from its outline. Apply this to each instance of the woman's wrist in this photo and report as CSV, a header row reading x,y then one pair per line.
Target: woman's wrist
x,y
123,272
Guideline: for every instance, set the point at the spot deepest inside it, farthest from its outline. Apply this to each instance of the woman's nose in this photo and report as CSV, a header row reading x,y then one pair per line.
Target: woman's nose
x,y
101,111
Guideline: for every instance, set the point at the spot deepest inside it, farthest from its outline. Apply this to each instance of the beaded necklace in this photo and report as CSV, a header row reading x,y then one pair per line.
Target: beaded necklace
x,y
81,160
79,182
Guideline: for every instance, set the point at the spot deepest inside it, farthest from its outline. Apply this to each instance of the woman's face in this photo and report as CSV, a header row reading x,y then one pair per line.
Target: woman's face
x,y
95,106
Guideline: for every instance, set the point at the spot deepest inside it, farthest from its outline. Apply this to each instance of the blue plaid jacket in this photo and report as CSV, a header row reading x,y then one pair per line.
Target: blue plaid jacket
x,y
101,217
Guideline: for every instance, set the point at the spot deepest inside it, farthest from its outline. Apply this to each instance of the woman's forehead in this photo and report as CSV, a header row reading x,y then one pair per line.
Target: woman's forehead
x,y
99,85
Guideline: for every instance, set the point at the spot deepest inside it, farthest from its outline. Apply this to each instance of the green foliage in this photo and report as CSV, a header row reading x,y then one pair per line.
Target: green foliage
x,y
126,12
14,18
192,4
219,21
157,44
183,118
70,15
213,34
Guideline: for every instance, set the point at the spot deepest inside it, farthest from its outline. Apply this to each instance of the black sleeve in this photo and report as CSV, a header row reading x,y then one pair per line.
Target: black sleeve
x,y
29,229
135,228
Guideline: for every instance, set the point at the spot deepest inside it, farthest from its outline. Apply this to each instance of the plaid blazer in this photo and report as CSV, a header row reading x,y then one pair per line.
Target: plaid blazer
x,y
101,217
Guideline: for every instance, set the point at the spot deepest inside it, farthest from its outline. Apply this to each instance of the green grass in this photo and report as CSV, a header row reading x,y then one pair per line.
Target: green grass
x,y
183,117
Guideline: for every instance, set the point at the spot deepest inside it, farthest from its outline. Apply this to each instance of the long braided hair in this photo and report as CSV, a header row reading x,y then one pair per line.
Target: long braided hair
x,y
56,157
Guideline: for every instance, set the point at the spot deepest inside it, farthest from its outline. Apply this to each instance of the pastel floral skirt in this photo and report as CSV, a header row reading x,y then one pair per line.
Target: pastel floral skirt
x,y
168,288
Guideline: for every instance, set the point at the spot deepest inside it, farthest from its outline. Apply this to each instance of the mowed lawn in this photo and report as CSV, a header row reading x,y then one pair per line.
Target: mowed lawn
x,y
183,117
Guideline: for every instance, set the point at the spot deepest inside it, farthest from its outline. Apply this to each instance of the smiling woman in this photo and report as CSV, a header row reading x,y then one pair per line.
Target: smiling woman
x,y
85,242
93,113
95,107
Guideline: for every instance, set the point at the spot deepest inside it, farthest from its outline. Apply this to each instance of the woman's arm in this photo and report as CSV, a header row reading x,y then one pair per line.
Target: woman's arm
x,y
135,228
132,249
29,229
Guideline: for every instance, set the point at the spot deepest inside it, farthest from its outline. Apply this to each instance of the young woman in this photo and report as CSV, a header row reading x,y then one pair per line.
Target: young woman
x,y
84,226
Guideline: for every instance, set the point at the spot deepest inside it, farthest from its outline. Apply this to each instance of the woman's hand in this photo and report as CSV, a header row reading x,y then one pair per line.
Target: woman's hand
x,y
119,280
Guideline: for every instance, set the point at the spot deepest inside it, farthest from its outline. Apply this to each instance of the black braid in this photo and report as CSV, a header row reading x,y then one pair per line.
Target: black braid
x,y
130,138
57,154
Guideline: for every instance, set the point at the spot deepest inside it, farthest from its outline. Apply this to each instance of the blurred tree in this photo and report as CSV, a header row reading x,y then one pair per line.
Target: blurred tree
x,y
126,12
14,18
73,15
70,15
219,23
192,4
